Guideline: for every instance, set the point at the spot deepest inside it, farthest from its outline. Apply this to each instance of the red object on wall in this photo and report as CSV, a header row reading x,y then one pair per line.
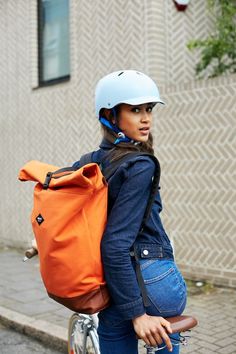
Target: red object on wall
x,y
181,5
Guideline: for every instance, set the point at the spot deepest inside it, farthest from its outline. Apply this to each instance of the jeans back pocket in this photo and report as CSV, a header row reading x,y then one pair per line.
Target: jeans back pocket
x,y
165,287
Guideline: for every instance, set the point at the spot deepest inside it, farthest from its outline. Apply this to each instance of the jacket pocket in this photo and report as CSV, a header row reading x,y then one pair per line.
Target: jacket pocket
x,y
165,287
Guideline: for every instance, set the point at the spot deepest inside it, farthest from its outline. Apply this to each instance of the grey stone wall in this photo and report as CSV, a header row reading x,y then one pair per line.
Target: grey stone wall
x,y
194,133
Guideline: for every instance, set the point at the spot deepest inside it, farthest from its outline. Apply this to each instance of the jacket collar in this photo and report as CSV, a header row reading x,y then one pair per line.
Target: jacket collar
x,y
106,145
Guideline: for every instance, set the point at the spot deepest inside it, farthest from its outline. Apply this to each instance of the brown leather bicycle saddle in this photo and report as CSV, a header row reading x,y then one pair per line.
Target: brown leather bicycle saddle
x,y
182,323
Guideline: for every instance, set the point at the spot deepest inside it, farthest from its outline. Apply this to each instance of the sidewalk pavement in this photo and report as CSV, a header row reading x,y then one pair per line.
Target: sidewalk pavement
x,y
25,306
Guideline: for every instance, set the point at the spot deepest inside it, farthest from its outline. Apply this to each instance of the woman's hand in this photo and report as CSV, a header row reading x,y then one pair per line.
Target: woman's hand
x,y
153,330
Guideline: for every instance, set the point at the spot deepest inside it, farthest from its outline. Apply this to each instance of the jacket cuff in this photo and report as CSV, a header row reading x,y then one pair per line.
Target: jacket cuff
x,y
132,309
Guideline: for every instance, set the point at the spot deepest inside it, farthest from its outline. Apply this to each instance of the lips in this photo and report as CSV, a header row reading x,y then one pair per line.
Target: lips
x,y
144,128
144,131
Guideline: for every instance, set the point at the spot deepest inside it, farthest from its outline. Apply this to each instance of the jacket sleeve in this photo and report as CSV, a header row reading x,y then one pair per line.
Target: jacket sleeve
x,y
122,228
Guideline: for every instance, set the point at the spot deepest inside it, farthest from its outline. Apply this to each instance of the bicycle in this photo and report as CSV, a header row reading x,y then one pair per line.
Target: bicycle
x,y
82,329
82,334
83,337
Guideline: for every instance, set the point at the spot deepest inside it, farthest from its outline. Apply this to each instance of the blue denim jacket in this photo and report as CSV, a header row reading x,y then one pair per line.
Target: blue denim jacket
x,y
129,189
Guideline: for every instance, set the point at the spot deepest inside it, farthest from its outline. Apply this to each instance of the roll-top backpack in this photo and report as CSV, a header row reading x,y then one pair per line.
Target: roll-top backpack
x,y
68,218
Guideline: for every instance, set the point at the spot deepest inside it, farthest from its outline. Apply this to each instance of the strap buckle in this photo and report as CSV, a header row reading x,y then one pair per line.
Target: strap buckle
x,y
47,180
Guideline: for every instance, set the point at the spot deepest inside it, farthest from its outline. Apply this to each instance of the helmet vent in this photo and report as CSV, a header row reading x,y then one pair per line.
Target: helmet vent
x,y
122,72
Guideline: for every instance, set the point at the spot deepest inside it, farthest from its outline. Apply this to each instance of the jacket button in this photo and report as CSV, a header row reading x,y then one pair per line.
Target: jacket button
x,y
145,252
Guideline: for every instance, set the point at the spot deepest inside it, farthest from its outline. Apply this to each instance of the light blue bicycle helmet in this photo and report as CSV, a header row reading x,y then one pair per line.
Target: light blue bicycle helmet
x,y
124,86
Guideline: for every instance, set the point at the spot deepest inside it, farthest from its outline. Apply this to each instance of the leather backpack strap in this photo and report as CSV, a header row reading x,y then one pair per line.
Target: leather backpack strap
x,y
154,188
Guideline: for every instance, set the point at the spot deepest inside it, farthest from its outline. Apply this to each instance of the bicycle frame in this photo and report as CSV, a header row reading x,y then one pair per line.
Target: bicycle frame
x,y
89,326
82,334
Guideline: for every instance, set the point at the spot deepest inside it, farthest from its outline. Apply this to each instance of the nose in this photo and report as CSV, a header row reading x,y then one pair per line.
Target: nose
x,y
146,116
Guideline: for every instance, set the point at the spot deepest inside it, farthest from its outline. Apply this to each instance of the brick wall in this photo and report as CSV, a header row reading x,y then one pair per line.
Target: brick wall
x,y
196,143
194,133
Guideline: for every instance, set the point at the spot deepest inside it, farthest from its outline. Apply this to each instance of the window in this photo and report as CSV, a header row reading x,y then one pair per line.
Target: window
x,y
53,39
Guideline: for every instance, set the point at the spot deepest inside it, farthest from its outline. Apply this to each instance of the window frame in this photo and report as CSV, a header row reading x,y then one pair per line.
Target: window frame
x,y
41,81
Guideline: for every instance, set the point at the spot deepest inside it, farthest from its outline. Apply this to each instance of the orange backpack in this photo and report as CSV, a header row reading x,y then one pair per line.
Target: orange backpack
x,y
68,219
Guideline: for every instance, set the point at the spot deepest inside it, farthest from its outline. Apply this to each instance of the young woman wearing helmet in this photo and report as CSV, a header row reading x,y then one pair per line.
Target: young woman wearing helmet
x,y
124,102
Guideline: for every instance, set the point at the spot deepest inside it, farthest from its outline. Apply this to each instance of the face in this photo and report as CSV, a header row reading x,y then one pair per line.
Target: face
x,y
135,121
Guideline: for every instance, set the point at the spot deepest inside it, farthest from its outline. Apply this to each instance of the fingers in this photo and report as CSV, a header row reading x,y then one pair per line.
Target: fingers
x,y
167,325
164,335
166,339
153,339
157,337
153,330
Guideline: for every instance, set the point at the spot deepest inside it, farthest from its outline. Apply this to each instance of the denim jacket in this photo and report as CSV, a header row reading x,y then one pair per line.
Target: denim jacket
x,y
128,193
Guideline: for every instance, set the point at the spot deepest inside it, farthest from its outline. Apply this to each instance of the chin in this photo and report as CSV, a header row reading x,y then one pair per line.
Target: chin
x,y
143,139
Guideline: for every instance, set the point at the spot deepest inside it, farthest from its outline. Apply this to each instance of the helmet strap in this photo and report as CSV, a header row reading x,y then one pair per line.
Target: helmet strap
x,y
121,136
109,125
122,139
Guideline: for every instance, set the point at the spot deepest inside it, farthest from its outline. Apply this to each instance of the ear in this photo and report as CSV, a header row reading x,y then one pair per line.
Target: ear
x,y
106,113
109,115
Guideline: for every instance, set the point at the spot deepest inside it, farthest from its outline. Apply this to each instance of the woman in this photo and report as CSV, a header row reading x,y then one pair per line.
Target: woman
x,y
124,104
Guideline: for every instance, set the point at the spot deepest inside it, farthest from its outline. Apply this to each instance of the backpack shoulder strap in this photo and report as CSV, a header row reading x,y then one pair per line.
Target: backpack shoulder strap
x,y
93,156
85,159
129,157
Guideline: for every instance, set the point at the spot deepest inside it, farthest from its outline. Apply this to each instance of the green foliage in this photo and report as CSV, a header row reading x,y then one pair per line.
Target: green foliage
x,y
218,50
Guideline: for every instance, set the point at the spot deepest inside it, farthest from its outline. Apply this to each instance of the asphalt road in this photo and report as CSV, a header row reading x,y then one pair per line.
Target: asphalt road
x,y
16,343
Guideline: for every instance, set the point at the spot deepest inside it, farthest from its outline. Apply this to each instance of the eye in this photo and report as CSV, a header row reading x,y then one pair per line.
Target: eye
x,y
135,109
149,109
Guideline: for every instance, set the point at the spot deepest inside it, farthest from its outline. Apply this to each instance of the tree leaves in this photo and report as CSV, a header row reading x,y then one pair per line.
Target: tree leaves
x,y
218,50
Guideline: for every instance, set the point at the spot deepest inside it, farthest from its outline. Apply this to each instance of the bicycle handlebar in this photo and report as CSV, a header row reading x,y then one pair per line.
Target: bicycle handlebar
x,y
29,253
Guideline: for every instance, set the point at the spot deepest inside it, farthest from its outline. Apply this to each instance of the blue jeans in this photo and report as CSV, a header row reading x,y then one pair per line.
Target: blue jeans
x,y
167,294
